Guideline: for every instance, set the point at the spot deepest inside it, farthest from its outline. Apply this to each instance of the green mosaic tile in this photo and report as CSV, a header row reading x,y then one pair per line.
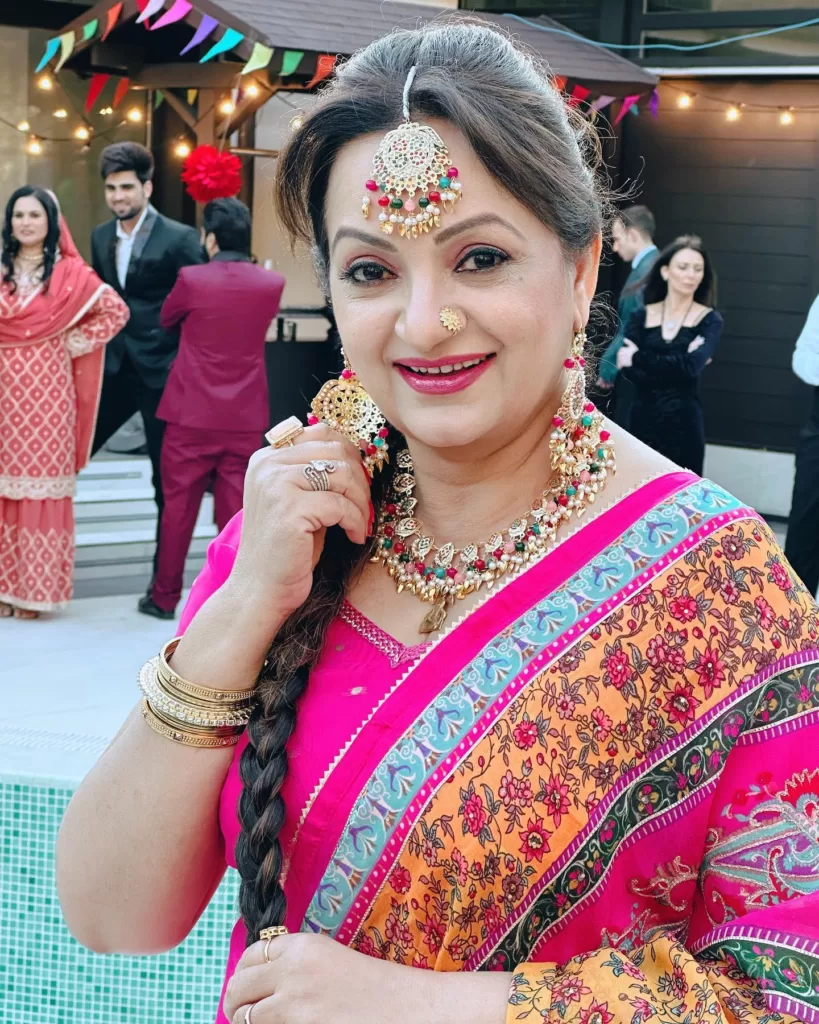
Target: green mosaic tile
x,y
46,977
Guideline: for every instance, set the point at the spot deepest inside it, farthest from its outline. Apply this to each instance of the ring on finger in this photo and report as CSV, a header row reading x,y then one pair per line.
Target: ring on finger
x,y
284,434
317,473
248,1012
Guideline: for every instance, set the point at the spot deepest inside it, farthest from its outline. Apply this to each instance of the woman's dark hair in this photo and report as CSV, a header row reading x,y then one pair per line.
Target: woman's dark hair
x,y
229,221
656,289
11,246
546,155
127,156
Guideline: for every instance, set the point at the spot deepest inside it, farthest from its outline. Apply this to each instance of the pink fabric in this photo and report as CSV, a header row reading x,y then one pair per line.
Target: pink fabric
x,y
36,553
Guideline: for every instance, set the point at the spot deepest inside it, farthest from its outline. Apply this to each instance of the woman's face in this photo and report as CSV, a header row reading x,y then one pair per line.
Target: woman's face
x,y
492,261
685,271
29,222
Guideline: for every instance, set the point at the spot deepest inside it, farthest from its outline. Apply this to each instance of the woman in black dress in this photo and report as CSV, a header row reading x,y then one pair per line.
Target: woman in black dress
x,y
667,346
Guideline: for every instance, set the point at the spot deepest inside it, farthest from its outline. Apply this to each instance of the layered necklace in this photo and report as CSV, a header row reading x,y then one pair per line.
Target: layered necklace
x,y
582,457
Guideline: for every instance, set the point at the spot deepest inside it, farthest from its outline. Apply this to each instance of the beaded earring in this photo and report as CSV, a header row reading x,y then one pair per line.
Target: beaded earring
x,y
344,405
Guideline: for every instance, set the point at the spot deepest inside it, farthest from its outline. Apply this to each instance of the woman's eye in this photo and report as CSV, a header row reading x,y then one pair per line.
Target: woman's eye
x,y
366,273
482,260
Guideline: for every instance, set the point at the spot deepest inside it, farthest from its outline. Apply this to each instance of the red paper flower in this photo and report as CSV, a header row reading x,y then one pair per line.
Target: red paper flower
x,y
209,174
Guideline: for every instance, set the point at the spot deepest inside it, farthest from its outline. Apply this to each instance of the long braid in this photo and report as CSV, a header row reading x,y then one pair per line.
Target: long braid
x,y
263,766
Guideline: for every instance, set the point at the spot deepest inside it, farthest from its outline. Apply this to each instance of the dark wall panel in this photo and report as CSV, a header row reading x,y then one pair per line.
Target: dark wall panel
x,y
750,190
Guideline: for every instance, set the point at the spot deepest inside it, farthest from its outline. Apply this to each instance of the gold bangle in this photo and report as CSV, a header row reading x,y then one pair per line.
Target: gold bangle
x,y
193,729
184,738
168,675
184,713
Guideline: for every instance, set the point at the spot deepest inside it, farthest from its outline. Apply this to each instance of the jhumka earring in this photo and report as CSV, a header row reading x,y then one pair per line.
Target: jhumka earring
x,y
344,405
412,171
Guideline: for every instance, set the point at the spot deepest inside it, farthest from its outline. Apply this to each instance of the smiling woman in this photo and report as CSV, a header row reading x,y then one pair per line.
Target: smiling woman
x,y
472,818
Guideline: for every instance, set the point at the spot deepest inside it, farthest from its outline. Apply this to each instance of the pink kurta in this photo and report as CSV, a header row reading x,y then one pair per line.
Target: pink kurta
x,y
47,415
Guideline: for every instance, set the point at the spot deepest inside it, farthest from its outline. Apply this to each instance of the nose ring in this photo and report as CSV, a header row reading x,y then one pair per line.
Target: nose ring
x,y
452,320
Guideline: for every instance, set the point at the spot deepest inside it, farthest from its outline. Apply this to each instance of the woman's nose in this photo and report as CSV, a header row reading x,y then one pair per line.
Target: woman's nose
x,y
419,321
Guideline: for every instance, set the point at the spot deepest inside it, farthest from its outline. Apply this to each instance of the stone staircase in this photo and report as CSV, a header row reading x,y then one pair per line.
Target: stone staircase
x,y
116,524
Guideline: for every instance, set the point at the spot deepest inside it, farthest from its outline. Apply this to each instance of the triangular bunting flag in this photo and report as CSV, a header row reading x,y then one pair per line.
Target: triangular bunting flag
x,y
149,9
123,85
180,10
191,95
111,19
51,48
579,93
628,103
95,87
324,66
230,39
559,82
260,58
159,98
291,61
206,26
654,102
89,29
67,40
602,102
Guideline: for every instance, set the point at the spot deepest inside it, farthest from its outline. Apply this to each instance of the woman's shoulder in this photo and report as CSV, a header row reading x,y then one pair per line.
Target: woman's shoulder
x,y
704,314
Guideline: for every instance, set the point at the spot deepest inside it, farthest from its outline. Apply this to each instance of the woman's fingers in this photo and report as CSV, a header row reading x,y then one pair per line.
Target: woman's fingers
x,y
248,987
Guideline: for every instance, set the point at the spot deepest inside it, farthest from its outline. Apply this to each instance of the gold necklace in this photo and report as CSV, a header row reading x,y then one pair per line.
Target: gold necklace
x,y
29,259
582,457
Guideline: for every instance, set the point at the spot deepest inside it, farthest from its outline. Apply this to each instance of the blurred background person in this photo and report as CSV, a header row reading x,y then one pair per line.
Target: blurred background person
x,y
666,347
139,253
802,544
55,318
632,238
215,404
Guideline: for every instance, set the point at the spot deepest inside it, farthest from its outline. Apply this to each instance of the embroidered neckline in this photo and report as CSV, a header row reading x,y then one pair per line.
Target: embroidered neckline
x,y
397,653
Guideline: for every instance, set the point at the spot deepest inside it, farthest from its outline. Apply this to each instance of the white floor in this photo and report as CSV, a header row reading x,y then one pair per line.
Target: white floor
x,y
68,681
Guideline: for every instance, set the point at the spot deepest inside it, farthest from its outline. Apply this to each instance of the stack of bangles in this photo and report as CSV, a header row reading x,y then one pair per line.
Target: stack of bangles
x,y
195,716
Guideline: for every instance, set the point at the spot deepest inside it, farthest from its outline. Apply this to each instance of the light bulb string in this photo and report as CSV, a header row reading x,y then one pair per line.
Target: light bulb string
x,y
739,104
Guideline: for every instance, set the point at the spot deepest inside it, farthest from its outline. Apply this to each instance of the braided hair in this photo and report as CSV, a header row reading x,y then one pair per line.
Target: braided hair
x,y
11,246
544,153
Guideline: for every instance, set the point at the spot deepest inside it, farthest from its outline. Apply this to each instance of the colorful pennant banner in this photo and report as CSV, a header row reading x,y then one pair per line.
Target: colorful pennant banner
x,y
291,61
230,39
260,58
206,26
324,66
111,19
191,95
602,102
181,9
51,48
95,87
89,29
654,103
579,93
628,103
67,40
559,82
123,85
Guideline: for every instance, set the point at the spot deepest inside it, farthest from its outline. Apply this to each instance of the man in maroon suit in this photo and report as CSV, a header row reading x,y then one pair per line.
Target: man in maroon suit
x,y
215,403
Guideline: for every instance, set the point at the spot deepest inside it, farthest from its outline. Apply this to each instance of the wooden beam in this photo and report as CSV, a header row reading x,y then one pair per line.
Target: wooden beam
x,y
181,108
181,75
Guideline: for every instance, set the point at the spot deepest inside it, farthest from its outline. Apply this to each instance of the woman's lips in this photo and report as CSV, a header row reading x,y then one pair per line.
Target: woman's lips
x,y
437,383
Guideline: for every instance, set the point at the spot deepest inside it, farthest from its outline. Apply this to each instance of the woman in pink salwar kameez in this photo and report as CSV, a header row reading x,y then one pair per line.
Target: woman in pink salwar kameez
x,y
55,318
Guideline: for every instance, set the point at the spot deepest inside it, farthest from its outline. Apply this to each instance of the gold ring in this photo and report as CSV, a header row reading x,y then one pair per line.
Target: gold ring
x,y
274,932
284,433
452,320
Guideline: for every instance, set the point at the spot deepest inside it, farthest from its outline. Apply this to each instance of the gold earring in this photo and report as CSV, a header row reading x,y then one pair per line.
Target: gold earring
x,y
574,403
344,405
452,320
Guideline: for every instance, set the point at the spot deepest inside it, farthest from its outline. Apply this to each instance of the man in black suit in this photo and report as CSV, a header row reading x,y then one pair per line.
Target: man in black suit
x,y
139,253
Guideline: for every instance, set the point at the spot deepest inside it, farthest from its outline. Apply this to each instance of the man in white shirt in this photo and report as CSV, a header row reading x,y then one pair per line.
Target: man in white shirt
x,y
802,545
139,253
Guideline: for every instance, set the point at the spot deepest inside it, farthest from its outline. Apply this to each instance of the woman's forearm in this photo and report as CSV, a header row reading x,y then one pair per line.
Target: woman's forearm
x,y
140,850
470,997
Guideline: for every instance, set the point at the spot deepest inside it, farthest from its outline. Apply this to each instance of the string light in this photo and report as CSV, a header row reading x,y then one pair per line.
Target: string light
x,y
297,122
106,111
82,133
34,147
45,82
182,149
23,126
134,115
61,113
684,101
733,114
226,107
252,90
786,117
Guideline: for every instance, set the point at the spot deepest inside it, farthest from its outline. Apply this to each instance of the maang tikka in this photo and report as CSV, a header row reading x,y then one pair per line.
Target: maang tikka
x,y
412,159
344,405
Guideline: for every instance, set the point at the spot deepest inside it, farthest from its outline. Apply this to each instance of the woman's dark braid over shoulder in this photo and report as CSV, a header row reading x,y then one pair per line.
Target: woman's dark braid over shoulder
x,y
263,765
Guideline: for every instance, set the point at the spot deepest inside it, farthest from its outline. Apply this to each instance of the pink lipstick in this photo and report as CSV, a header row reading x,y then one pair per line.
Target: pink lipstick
x,y
444,376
